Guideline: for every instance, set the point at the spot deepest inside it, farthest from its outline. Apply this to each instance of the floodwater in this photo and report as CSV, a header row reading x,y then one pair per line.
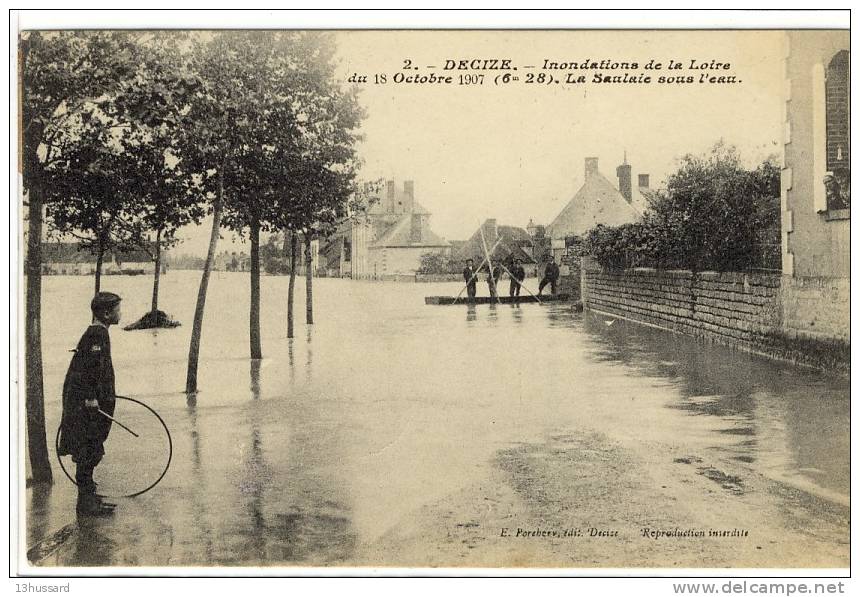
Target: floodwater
x,y
385,405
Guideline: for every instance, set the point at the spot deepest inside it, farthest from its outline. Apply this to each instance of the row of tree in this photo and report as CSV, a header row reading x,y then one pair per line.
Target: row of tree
x,y
130,135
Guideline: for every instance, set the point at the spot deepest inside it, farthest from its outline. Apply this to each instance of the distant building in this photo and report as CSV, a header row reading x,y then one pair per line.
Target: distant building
x,y
598,201
335,253
231,261
66,258
300,256
816,185
505,243
541,243
389,239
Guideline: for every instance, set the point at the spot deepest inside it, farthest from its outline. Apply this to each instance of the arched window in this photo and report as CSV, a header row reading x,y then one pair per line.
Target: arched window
x,y
837,181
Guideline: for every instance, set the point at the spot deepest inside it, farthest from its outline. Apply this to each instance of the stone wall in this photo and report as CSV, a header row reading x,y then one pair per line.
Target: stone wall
x,y
736,308
570,266
744,310
816,308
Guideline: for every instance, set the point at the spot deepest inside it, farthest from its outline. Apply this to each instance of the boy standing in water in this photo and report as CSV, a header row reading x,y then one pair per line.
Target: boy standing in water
x,y
88,389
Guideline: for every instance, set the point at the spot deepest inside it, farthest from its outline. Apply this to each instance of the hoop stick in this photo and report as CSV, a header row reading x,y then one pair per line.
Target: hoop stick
x,y
103,413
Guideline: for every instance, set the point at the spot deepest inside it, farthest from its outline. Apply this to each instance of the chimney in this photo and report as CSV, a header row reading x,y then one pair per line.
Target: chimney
x,y
644,181
491,232
590,167
389,203
415,232
408,196
624,172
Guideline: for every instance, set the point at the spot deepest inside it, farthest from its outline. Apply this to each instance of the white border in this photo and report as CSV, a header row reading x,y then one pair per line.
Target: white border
x,y
592,19
430,19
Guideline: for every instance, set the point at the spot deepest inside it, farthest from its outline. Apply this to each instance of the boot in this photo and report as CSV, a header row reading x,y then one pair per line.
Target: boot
x,y
90,504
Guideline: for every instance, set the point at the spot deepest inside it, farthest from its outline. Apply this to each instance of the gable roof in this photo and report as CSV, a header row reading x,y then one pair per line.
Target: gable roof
x,y
515,241
399,234
330,252
642,199
596,202
380,204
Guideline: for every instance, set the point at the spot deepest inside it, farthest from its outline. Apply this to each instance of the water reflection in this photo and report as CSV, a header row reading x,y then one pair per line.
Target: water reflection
x,y
256,476
390,422
517,313
558,315
198,508
310,353
37,522
793,420
91,547
307,521
291,359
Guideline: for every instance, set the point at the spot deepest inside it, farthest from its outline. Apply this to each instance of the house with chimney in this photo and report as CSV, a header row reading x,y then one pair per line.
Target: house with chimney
x,y
600,201
510,242
386,241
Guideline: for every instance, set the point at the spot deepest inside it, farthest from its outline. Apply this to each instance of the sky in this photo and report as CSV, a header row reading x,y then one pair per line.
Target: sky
x,y
516,152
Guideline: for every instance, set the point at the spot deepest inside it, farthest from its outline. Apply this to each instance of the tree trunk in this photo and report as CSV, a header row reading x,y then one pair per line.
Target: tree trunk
x,y
292,288
197,329
157,271
99,261
37,443
256,348
309,281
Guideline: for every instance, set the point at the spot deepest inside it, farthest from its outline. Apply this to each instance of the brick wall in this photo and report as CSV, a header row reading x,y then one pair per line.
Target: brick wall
x,y
738,309
778,316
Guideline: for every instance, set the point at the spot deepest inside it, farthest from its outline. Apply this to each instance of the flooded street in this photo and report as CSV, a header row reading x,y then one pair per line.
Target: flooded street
x,y
398,434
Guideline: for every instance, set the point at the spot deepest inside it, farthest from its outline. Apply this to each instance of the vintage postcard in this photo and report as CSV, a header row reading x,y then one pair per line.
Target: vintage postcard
x,y
491,299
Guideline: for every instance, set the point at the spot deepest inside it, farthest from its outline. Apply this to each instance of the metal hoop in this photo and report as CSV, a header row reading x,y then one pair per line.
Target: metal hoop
x,y
160,477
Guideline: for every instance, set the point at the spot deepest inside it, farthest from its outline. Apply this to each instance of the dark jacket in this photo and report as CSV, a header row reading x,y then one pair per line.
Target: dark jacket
x,y
519,273
470,276
551,272
90,376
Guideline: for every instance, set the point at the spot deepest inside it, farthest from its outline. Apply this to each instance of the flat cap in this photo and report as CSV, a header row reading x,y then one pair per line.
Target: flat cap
x,y
104,300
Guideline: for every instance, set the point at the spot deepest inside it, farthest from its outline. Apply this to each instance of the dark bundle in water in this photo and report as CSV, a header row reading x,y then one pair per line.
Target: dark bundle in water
x,y
153,319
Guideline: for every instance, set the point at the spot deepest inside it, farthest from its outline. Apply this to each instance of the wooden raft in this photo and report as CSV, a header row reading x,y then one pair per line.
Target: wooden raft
x,y
486,300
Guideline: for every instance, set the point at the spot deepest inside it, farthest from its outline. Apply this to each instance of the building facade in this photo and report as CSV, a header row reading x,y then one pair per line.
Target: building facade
x,y
388,240
505,243
815,185
69,258
598,201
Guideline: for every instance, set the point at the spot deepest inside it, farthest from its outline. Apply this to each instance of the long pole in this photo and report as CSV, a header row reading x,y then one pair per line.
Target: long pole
x,y
475,275
495,292
522,285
